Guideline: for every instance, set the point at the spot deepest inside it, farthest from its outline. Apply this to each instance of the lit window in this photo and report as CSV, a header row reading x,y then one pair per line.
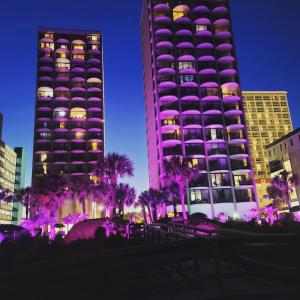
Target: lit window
x,y
78,113
185,65
63,63
78,47
180,11
47,45
49,35
95,47
44,157
79,135
60,113
78,56
45,169
45,92
201,28
94,146
186,78
64,46
94,37
62,125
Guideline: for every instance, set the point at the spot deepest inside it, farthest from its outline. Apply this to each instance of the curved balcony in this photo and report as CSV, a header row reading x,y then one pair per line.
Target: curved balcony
x,y
94,52
62,41
166,71
169,110
93,70
183,20
164,45
219,152
235,126
170,139
184,32
94,90
94,61
192,121
205,46
46,50
233,113
226,60
219,11
228,73
163,32
45,78
231,99
185,45
208,72
94,99
194,150
237,141
190,84
167,85
206,58
46,69
161,7
161,19
44,98
201,9
169,124
225,47
46,59
218,166
77,70
193,138
172,151
44,108
168,98
165,58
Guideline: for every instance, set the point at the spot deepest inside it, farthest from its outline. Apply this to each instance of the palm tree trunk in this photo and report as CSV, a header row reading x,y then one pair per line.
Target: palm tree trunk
x,y
288,200
27,211
182,198
144,214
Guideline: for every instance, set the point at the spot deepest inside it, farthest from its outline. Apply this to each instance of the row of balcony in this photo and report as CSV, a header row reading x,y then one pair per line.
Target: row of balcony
x,y
92,147
73,170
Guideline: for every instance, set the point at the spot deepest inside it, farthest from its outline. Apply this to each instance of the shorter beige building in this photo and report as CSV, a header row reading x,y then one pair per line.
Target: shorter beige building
x,y
284,154
8,160
268,119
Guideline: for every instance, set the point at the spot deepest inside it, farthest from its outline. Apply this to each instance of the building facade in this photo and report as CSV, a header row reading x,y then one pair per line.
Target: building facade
x,y
69,116
69,120
19,182
284,154
7,181
193,102
268,119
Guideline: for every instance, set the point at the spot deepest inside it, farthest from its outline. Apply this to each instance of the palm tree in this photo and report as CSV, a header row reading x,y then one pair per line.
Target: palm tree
x,y
26,198
152,199
178,170
51,192
143,202
110,170
172,194
282,186
125,196
80,187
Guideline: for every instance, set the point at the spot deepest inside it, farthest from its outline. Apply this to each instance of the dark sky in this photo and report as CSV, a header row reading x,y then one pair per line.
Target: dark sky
x,y
267,36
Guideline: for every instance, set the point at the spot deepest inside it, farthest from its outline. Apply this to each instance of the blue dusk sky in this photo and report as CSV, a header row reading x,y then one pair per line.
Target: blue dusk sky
x,y
266,36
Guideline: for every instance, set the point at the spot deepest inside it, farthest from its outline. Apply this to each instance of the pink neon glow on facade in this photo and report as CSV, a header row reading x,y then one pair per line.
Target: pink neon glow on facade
x,y
193,102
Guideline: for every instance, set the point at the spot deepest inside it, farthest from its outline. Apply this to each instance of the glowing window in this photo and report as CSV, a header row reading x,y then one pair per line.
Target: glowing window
x,y
62,125
230,89
45,92
47,45
180,11
63,63
49,35
79,135
95,47
94,146
44,157
78,113
201,28
79,56
60,112
185,65
78,47
94,37
45,168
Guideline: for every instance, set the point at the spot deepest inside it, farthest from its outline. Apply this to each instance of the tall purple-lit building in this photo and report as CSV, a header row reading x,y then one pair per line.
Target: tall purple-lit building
x,y
193,102
69,120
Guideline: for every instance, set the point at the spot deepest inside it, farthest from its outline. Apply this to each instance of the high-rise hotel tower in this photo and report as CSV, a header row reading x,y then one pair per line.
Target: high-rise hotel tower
x,y
194,104
69,121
